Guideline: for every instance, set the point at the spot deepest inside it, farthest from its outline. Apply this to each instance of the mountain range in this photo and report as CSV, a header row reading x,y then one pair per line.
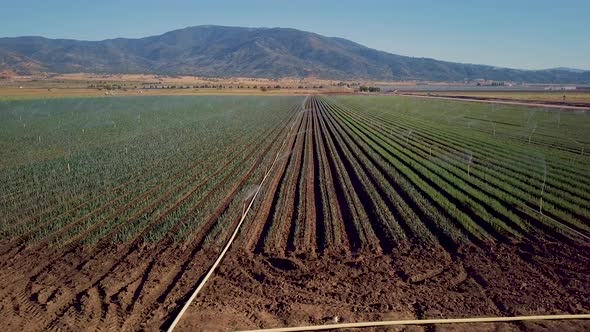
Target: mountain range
x,y
250,52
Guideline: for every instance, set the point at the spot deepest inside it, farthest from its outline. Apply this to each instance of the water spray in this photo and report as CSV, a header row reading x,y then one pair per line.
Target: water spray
x,y
543,188
250,192
581,147
532,132
469,163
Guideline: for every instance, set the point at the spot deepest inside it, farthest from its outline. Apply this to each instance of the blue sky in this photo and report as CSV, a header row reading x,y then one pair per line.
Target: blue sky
x,y
511,33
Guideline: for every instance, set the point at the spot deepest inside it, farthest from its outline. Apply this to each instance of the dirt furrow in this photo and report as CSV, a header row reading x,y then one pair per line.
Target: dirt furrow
x,y
382,222
343,190
308,234
331,231
259,230
284,217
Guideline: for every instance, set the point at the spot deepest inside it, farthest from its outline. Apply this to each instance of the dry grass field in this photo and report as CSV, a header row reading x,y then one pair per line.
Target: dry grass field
x,y
34,93
530,96
94,85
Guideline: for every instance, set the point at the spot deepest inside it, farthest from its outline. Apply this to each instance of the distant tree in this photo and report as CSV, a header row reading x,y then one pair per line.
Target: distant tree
x,y
263,89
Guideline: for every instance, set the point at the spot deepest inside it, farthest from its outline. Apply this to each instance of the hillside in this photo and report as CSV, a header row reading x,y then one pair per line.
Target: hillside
x,y
252,52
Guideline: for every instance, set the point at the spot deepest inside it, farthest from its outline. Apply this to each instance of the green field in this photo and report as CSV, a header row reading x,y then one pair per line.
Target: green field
x,y
69,165
80,168
530,96
112,209
495,171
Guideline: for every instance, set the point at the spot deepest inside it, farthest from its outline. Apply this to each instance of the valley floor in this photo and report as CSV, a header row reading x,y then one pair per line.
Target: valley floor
x,y
375,208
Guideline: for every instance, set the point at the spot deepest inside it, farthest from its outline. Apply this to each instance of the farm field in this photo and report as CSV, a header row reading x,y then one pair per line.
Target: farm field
x,y
376,207
543,97
9,93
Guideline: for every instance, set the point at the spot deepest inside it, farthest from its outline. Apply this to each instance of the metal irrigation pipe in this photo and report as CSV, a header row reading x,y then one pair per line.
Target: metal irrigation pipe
x,y
229,242
422,322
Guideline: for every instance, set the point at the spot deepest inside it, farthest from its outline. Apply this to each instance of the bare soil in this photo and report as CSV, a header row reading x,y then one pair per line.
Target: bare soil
x,y
259,290
253,291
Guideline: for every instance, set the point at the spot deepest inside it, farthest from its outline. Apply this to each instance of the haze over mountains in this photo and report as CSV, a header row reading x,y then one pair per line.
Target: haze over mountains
x,y
250,52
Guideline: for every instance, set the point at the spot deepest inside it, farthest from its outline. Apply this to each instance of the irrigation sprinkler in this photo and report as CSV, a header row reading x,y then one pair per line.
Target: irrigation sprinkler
x,y
532,132
469,163
408,136
542,191
253,196
494,124
581,147
69,169
250,192
543,184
